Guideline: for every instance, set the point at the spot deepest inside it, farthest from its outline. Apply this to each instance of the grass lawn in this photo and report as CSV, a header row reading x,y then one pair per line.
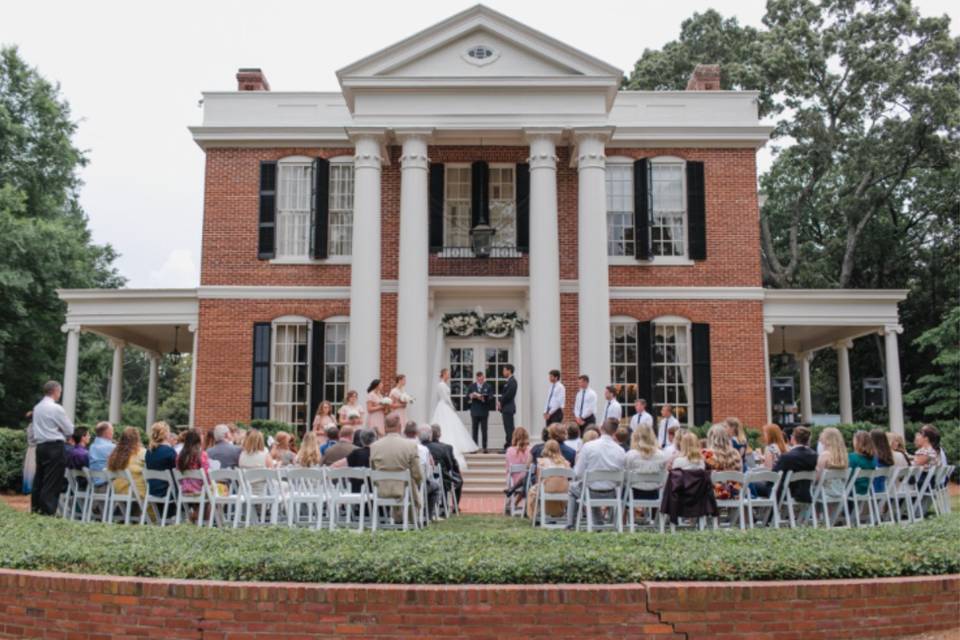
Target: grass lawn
x,y
477,549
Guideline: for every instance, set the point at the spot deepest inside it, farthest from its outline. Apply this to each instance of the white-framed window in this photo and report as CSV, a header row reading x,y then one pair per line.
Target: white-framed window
x,y
335,337
620,213
624,353
503,204
672,372
294,193
457,216
341,207
668,217
290,371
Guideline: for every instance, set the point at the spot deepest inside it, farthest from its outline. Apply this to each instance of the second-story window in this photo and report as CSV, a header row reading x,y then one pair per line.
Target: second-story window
x,y
668,220
341,208
503,205
457,211
620,235
296,208
295,189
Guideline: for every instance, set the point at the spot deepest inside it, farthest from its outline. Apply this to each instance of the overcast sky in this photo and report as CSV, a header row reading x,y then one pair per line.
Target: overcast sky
x,y
133,73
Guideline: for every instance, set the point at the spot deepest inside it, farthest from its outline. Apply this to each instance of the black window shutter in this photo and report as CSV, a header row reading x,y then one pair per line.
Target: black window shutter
x,y
479,193
266,244
641,209
317,364
645,364
436,207
702,400
321,207
261,371
523,207
696,212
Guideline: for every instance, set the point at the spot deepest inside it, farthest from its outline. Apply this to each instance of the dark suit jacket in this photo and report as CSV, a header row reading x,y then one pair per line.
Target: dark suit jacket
x,y
480,408
688,494
359,457
443,455
800,458
508,396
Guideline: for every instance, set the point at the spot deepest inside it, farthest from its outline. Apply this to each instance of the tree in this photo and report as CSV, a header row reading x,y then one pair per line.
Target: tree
x,y
45,242
938,393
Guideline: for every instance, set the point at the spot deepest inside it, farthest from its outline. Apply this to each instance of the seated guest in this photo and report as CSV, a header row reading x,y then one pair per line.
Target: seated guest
x,y
739,440
720,455
537,449
444,455
255,456
645,457
360,457
324,417
160,456
192,457
862,457
128,456
181,438
331,437
282,451
207,438
800,457
393,452
603,454
424,436
833,456
670,449
899,447
589,436
927,441
77,456
558,432
339,449
223,450
773,445
573,436
622,437
550,458
689,457
518,453
100,449
309,454
883,456
238,436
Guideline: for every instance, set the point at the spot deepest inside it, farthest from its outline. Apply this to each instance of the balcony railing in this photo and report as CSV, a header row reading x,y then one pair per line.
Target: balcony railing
x,y
467,252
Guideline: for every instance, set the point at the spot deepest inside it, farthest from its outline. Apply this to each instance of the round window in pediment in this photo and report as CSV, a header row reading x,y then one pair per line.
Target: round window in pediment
x,y
480,54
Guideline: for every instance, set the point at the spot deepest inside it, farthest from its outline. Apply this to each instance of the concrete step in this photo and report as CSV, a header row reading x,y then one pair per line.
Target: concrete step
x,y
484,474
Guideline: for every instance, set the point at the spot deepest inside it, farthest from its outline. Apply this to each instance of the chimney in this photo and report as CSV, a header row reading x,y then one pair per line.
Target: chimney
x,y
705,77
252,80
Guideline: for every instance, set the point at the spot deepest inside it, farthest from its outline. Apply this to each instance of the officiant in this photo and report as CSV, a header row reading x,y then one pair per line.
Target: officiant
x,y
480,395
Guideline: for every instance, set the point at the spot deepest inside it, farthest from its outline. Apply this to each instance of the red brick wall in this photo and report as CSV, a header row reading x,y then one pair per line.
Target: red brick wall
x,y
81,607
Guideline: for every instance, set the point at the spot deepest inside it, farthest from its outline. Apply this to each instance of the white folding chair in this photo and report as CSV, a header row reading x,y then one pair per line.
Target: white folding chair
x,y
905,494
67,496
81,493
424,514
773,478
926,479
200,499
832,490
262,494
343,498
382,510
443,504
226,497
859,500
943,487
101,488
589,502
789,499
543,497
306,496
883,497
734,505
150,500
652,505
510,505
129,498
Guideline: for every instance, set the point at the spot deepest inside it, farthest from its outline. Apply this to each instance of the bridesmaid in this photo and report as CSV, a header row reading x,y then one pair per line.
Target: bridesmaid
x,y
375,407
397,394
350,403
324,417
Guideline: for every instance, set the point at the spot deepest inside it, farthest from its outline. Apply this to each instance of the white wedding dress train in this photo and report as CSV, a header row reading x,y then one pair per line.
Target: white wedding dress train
x,y
452,430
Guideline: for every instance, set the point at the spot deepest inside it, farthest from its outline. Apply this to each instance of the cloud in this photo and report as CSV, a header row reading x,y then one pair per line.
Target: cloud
x,y
179,270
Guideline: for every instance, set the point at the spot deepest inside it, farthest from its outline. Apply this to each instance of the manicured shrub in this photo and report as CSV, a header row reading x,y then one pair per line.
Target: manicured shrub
x,y
270,427
13,448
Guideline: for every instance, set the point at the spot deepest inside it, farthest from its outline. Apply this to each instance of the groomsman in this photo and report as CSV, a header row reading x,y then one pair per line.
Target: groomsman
x,y
641,416
556,398
612,410
585,406
508,403
480,394
666,421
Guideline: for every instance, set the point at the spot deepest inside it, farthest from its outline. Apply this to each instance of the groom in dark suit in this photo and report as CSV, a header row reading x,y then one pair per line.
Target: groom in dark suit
x,y
508,403
480,394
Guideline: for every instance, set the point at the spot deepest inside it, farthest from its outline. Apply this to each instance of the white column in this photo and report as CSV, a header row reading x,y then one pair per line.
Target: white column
x,y
768,330
363,350
413,289
116,382
69,395
594,297
154,359
843,380
544,302
194,356
806,402
894,390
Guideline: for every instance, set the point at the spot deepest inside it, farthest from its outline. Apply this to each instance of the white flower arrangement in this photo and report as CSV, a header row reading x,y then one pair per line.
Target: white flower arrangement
x,y
352,413
406,398
386,401
476,323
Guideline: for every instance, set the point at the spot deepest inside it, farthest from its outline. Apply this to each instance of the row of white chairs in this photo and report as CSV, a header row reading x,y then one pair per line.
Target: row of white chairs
x,y
319,497
892,495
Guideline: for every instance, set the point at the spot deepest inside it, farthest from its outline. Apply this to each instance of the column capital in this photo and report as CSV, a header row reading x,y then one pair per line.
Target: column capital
x,y
891,328
370,147
153,355
532,134
117,343
804,356
414,133
590,147
69,326
602,134
414,153
843,344
769,328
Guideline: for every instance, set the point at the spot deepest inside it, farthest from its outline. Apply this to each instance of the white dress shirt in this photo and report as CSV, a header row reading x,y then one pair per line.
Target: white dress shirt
x,y
586,404
50,422
641,418
602,454
613,410
556,397
665,423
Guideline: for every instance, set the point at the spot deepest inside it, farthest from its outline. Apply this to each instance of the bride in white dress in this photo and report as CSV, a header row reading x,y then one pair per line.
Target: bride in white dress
x,y
452,431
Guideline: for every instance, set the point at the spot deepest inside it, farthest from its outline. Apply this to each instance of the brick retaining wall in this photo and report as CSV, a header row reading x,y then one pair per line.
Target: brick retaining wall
x,y
57,605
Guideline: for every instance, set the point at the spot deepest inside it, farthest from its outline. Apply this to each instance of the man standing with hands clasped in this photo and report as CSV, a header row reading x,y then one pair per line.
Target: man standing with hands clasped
x,y
480,394
51,427
585,406
556,398
508,403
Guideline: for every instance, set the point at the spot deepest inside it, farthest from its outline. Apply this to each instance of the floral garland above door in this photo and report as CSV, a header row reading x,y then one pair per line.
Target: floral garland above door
x,y
466,324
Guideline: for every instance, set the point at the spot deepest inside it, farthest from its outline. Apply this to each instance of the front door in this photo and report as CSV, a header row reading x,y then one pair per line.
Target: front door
x,y
465,357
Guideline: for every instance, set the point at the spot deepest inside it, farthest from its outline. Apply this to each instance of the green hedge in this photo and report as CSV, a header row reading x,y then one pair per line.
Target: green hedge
x,y
13,448
269,427
465,551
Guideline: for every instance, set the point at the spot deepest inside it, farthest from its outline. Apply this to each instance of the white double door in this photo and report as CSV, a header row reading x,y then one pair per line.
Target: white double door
x,y
465,358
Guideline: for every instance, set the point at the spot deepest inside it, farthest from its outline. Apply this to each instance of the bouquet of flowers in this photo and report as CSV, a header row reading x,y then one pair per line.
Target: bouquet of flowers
x,y
406,398
386,402
352,413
